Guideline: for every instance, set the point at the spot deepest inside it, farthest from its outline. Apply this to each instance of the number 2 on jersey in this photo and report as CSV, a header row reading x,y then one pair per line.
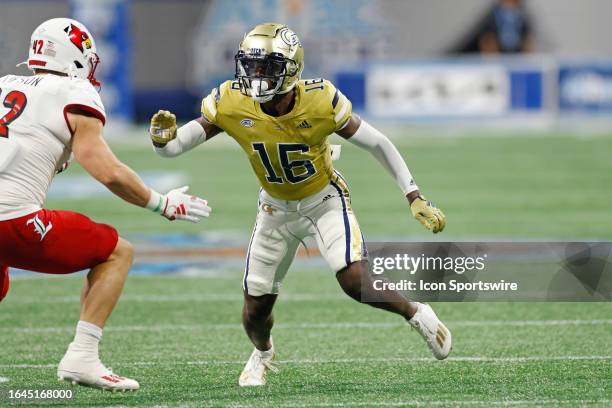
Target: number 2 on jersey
x,y
15,101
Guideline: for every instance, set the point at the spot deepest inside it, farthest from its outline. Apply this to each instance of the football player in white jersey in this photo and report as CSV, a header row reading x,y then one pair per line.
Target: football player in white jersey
x,y
44,119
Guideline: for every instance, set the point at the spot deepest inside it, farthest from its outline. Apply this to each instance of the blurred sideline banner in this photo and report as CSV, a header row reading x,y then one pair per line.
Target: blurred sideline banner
x,y
480,88
437,90
586,87
108,21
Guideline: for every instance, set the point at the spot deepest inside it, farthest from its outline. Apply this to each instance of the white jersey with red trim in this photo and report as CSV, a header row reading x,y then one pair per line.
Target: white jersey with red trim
x,y
35,138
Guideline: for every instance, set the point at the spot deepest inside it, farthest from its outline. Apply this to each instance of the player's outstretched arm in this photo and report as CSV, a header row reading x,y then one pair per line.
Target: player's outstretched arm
x,y
362,134
169,141
93,153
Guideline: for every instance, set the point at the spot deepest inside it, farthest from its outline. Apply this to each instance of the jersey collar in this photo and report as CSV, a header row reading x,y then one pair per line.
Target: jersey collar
x,y
287,115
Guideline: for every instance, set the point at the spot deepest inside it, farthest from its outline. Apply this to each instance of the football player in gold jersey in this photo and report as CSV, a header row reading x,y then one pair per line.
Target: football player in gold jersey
x,y
283,123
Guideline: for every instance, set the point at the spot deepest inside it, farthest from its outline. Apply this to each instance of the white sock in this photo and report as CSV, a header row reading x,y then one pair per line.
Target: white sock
x,y
267,353
87,337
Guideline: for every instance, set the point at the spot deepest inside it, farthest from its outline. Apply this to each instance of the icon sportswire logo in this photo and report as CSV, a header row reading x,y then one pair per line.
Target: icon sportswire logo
x,y
39,227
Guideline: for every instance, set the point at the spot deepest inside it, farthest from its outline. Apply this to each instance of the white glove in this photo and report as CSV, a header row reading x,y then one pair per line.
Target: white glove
x,y
176,205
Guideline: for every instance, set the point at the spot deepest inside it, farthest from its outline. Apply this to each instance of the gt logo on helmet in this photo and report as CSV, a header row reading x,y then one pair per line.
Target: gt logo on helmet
x,y
78,37
289,37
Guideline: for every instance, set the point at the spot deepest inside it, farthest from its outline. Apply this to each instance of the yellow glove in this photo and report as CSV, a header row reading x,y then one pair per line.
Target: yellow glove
x,y
428,214
163,128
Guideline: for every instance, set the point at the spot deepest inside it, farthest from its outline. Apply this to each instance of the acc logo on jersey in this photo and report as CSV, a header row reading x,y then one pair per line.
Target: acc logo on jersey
x,y
78,37
247,123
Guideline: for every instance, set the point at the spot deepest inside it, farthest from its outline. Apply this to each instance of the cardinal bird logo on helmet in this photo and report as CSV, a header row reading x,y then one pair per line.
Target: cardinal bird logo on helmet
x,y
78,37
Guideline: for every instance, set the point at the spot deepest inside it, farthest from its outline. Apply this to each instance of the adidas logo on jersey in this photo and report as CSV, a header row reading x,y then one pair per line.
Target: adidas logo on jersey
x,y
304,125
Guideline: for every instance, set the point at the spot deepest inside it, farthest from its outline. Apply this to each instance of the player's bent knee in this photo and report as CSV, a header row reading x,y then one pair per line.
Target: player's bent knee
x,y
258,308
124,251
257,285
350,279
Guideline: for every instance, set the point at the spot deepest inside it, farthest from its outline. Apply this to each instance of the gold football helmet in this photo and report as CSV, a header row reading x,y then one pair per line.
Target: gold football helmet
x,y
270,61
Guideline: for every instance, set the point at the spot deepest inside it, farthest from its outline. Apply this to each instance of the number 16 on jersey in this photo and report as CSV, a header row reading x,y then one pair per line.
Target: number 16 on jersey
x,y
289,166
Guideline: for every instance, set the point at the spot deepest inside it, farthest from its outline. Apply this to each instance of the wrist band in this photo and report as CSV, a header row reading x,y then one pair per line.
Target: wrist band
x,y
155,201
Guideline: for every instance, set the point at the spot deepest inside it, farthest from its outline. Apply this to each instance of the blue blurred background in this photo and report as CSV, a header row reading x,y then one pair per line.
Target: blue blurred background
x,y
398,60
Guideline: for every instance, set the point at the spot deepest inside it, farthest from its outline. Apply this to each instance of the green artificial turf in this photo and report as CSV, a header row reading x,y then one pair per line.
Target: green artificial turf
x,y
181,338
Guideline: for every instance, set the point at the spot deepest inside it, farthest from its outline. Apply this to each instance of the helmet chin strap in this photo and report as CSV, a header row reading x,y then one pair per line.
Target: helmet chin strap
x,y
288,88
263,99
258,86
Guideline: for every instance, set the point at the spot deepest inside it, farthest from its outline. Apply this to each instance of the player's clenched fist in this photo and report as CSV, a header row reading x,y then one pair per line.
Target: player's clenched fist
x,y
177,205
428,214
163,127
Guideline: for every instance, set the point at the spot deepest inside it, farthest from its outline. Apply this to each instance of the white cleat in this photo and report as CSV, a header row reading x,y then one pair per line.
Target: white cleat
x,y
256,369
92,373
435,333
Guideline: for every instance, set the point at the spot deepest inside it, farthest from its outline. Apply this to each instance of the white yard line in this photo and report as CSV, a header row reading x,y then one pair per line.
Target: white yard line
x,y
403,403
331,326
465,359
221,297
4,380
426,403
191,298
411,360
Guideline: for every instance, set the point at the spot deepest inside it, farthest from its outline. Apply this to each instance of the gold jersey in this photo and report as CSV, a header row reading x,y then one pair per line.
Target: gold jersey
x,y
290,154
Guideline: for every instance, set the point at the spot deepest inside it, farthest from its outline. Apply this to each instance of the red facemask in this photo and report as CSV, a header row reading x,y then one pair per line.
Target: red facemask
x,y
93,61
